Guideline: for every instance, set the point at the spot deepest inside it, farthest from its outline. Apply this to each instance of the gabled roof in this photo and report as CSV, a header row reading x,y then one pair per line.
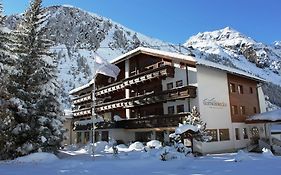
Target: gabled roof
x,y
175,56
154,52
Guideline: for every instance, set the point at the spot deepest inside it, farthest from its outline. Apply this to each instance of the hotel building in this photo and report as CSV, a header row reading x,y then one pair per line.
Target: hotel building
x,y
155,90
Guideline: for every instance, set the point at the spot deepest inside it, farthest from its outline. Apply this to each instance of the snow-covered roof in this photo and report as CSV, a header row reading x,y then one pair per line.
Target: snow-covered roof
x,y
153,52
73,91
173,55
227,69
267,116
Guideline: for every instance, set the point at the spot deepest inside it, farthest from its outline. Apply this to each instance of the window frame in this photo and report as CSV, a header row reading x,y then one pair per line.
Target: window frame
x,y
213,132
171,107
170,85
179,107
245,133
237,134
240,89
224,136
234,109
232,87
181,83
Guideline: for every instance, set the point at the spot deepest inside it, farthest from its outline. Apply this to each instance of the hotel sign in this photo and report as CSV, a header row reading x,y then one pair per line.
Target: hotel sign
x,y
212,102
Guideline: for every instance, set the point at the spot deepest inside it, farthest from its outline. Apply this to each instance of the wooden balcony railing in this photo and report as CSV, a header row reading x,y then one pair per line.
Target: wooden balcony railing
x,y
150,98
162,71
152,122
82,112
159,121
82,99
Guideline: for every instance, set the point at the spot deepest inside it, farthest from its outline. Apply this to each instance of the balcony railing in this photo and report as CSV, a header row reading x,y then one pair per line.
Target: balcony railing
x,y
150,98
162,71
82,99
152,122
159,121
82,112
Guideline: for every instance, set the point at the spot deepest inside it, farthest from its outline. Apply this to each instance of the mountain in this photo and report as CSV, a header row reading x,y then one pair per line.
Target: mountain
x,y
229,47
79,35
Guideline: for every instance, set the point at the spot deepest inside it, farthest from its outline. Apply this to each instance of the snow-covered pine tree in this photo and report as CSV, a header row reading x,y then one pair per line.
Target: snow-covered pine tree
x,y
8,108
34,85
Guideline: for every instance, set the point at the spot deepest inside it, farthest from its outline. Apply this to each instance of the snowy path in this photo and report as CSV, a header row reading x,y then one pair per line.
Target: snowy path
x,y
139,163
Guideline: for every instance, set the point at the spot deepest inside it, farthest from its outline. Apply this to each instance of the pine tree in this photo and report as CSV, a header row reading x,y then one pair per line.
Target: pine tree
x,y
34,86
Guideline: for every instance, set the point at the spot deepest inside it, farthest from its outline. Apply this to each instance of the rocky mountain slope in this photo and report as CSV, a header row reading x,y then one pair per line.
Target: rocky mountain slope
x,y
79,35
229,47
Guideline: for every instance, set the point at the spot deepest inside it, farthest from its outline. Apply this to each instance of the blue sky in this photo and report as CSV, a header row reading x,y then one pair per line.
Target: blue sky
x,y
176,20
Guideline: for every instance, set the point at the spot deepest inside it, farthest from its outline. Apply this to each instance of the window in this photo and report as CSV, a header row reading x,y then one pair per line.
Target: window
x,y
251,90
179,83
143,136
213,133
234,110
180,108
79,137
245,133
240,89
232,87
255,110
237,135
171,110
159,135
242,110
170,86
97,136
224,134
86,137
104,136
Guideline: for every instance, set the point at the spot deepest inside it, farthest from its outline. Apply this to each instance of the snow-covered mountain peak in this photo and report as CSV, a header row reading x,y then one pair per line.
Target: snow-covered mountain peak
x,y
223,37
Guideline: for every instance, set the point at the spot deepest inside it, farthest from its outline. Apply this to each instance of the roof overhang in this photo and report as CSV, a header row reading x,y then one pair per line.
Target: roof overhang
x,y
190,60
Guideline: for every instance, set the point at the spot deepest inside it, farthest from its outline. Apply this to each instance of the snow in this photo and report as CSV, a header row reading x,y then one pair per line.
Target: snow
x,y
154,144
36,157
143,163
183,128
154,51
268,116
138,146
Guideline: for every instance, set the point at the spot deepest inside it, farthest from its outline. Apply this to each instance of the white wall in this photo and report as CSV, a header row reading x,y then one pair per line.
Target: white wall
x,y
242,143
261,100
212,84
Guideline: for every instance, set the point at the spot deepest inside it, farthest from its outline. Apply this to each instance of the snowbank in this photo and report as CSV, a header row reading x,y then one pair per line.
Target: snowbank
x,y
138,146
37,157
267,153
241,156
154,144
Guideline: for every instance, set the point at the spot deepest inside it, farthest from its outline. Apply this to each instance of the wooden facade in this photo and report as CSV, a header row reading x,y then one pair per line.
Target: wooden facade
x,y
145,98
243,97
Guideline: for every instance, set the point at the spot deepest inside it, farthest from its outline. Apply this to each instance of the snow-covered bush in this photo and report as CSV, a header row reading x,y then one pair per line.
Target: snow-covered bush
x,y
154,144
138,146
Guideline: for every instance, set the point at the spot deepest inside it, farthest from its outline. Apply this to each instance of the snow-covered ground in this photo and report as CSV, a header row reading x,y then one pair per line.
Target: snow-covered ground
x,y
135,160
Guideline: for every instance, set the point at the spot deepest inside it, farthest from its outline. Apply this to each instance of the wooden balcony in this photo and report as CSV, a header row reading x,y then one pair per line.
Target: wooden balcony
x,y
149,98
82,112
82,99
100,125
159,121
150,74
152,122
